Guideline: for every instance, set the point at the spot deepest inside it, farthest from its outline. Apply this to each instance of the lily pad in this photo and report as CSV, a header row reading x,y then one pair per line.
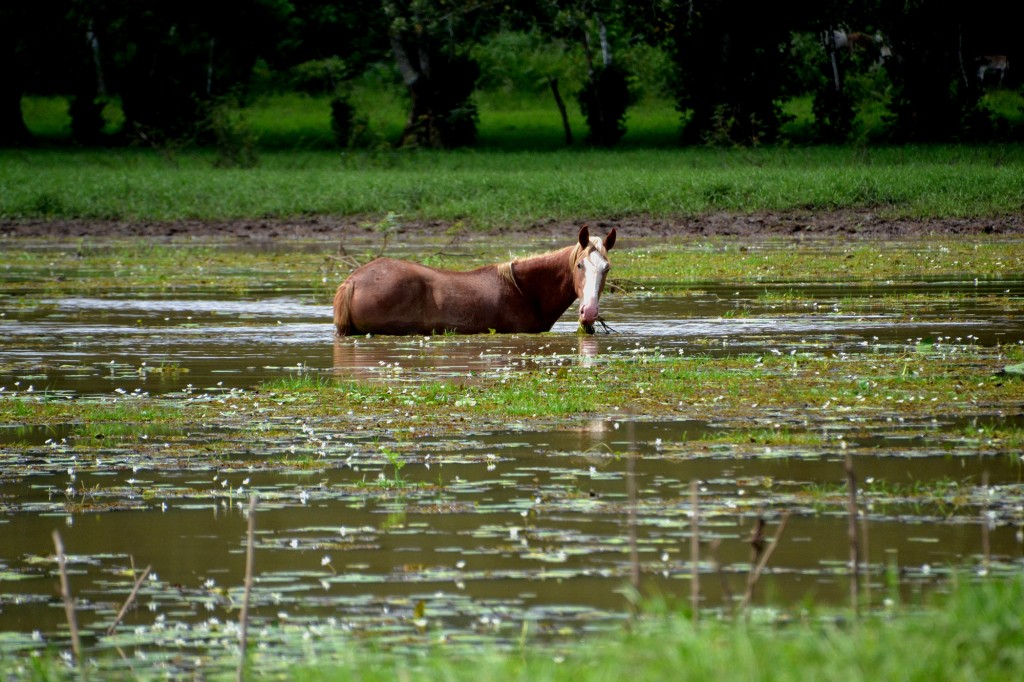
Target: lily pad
x,y
1015,370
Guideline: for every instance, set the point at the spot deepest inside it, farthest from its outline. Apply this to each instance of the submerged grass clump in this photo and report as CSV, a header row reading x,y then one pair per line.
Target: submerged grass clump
x,y
644,268
727,388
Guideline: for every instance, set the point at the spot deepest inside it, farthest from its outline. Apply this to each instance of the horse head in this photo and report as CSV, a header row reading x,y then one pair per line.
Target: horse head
x,y
589,270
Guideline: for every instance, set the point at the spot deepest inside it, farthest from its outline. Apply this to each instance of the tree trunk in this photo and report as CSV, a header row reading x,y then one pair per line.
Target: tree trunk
x,y
560,103
415,75
13,131
440,86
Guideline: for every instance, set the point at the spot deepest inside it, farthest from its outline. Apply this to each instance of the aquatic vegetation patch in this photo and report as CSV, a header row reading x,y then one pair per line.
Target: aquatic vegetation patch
x,y
658,383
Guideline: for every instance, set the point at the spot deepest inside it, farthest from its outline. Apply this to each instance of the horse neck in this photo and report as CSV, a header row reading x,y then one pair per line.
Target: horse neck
x,y
547,281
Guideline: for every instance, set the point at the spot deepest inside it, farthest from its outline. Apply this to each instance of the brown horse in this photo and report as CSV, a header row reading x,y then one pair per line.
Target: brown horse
x,y
528,295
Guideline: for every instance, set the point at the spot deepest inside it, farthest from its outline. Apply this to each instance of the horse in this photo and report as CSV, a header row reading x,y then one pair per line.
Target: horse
x,y
997,63
527,295
875,46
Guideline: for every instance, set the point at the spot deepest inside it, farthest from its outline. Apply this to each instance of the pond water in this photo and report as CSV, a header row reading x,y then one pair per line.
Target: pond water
x,y
490,534
89,345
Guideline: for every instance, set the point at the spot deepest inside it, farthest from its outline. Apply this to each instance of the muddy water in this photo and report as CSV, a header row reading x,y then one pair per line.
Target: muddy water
x,y
496,533
94,345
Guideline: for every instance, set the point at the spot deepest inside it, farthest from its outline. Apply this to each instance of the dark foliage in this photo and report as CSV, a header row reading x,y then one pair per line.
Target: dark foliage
x,y
442,114
604,100
343,115
86,120
172,63
731,71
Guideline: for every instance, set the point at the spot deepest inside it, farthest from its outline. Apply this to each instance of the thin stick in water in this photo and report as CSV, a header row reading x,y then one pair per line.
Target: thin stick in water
x,y
756,574
128,602
986,547
69,604
865,550
243,618
631,494
695,554
851,531
726,590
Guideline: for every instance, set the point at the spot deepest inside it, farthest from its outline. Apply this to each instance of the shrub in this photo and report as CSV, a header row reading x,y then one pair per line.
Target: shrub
x,y
86,120
349,129
604,101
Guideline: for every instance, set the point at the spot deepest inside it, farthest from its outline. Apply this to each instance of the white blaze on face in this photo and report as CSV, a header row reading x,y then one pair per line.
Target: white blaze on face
x,y
595,268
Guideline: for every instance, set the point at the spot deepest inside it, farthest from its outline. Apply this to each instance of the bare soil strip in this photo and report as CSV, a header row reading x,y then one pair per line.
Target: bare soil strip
x,y
751,225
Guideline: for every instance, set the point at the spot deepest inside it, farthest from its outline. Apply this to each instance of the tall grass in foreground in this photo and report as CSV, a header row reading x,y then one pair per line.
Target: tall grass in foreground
x,y
978,634
485,189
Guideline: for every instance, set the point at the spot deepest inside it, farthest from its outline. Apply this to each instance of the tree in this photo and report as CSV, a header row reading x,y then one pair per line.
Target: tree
x,y
930,97
13,131
601,29
172,58
731,59
607,93
839,38
22,42
317,30
168,60
429,40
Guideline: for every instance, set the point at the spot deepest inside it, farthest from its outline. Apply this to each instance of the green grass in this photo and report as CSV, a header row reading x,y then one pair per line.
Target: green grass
x,y
487,189
975,634
520,173
109,416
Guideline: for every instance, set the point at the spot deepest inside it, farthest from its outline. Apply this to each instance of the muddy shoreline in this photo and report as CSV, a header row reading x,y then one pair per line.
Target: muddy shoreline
x,y
847,224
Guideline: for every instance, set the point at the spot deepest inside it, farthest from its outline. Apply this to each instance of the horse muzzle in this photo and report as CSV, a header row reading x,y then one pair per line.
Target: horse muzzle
x,y
588,313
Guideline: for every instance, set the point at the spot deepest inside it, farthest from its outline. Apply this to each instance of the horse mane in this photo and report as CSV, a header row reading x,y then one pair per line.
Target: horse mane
x,y
505,269
505,272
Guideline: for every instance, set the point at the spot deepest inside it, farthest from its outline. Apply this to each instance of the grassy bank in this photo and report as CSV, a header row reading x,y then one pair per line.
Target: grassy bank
x,y
520,172
487,189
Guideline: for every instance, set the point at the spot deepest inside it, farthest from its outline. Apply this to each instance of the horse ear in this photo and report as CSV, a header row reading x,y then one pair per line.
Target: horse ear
x,y
585,236
609,241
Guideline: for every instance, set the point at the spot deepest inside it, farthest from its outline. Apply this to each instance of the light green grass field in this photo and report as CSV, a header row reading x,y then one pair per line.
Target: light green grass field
x,y
521,171
489,188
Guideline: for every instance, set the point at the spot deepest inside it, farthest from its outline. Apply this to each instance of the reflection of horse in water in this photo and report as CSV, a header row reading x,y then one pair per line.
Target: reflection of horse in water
x,y
457,361
528,295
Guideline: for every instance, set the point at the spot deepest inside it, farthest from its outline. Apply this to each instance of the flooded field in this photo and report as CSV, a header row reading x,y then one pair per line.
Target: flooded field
x,y
404,500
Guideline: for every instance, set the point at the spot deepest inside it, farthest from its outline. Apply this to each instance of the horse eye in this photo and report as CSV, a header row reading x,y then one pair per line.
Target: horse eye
x,y
579,266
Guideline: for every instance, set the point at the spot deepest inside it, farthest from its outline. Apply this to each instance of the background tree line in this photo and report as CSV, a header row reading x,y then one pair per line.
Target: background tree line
x,y
728,64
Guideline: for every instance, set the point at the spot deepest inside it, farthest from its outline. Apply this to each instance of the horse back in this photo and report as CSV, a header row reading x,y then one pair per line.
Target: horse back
x,y
388,296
